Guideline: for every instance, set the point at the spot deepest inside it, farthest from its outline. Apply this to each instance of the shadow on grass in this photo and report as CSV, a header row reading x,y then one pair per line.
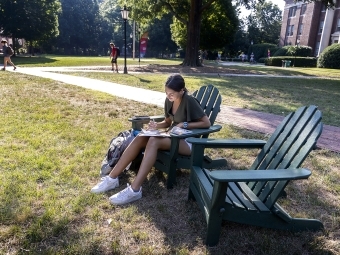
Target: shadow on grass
x,y
183,228
32,60
141,79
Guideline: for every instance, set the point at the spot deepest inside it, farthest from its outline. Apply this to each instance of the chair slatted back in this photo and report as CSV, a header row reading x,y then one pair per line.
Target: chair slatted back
x,y
288,146
210,100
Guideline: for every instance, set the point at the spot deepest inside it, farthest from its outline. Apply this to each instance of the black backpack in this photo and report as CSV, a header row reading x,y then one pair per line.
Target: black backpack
x,y
117,146
9,50
118,52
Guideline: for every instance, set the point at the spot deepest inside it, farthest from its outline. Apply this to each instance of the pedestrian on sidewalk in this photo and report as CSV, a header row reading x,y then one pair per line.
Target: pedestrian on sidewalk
x,y
181,110
7,52
114,55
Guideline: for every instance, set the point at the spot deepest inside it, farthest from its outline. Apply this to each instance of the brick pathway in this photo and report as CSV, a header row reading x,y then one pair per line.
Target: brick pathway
x,y
252,120
266,123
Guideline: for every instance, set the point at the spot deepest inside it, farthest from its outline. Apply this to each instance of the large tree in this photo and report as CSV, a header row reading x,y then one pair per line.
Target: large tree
x,y
188,12
80,26
160,41
218,27
264,23
29,19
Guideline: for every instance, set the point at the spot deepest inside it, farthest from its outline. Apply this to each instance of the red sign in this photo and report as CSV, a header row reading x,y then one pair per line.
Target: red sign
x,y
143,44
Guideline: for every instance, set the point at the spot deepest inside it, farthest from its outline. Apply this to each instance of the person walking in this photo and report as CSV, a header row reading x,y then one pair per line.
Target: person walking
x,y
181,110
7,55
114,56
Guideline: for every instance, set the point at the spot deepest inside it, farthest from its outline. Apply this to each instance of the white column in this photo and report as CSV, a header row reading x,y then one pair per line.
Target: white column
x,y
326,30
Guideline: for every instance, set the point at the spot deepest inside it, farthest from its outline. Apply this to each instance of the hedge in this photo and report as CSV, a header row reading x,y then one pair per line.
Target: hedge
x,y
330,57
299,51
295,61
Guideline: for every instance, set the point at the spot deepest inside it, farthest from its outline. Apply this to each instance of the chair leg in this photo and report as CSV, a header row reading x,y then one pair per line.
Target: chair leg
x,y
135,164
191,195
171,178
214,228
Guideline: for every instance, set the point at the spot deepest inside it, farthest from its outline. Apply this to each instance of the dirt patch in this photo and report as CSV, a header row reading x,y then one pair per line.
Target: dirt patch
x,y
187,69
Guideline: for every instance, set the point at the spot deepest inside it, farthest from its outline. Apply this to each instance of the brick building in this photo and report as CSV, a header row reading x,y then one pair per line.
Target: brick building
x,y
310,24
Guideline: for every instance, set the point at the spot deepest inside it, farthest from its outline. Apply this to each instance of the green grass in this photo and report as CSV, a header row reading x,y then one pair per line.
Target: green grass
x,y
53,137
57,61
268,94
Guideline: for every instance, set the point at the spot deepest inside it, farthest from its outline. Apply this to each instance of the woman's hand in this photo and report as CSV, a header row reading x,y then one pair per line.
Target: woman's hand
x,y
152,125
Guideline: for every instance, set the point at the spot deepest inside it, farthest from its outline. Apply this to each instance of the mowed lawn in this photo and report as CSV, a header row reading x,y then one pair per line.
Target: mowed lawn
x,y
277,95
53,137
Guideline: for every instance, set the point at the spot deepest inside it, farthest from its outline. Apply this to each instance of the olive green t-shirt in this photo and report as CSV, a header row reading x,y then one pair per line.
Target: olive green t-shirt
x,y
189,110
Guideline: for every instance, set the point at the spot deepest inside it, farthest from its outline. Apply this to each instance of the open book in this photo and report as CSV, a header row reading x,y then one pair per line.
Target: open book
x,y
174,130
154,133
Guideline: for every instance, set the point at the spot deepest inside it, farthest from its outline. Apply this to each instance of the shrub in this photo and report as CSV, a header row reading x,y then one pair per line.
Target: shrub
x,y
261,50
274,50
300,51
281,52
329,58
262,60
295,61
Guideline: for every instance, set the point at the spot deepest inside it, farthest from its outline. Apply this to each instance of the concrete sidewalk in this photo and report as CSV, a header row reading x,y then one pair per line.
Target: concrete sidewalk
x,y
244,118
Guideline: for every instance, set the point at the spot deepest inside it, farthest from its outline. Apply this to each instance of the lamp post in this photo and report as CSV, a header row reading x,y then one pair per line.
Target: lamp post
x,y
139,46
296,47
125,14
131,45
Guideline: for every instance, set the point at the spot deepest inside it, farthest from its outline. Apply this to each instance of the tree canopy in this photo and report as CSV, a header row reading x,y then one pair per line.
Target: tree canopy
x,y
29,19
264,23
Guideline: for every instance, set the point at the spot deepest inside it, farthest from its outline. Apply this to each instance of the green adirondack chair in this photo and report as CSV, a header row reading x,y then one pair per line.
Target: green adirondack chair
x,y
250,196
169,161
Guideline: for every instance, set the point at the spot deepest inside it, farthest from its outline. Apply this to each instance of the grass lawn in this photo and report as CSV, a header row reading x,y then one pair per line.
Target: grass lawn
x,y
53,137
268,94
55,61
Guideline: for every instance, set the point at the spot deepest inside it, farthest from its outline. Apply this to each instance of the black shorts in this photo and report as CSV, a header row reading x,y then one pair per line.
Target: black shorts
x,y
114,60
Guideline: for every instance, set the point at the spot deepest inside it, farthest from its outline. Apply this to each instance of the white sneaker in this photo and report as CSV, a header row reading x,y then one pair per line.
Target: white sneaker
x,y
106,184
125,196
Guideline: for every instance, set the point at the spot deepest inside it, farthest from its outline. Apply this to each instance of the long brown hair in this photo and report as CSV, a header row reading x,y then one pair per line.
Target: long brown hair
x,y
176,82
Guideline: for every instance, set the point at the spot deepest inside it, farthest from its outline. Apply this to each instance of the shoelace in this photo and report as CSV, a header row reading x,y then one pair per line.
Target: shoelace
x,y
125,192
102,181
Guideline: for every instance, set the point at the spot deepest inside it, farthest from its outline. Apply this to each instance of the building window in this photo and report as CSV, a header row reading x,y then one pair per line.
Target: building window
x,y
292,11
290,30
300,29
303,9
338,25
320,27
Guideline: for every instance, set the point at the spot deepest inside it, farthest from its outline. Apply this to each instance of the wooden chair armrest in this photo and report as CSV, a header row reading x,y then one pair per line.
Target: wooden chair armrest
x,y
228,143
198,132
137,122
259,175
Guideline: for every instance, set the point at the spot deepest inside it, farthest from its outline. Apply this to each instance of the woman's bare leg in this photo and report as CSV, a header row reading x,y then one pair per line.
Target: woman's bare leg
x,y
154,144
130,153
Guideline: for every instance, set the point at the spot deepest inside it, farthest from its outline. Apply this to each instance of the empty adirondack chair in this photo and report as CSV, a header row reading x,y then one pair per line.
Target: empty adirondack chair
x,y
250,196
169,161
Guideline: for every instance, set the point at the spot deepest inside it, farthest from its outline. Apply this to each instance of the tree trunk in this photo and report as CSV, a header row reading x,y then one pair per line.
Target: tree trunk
x,y
193,35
